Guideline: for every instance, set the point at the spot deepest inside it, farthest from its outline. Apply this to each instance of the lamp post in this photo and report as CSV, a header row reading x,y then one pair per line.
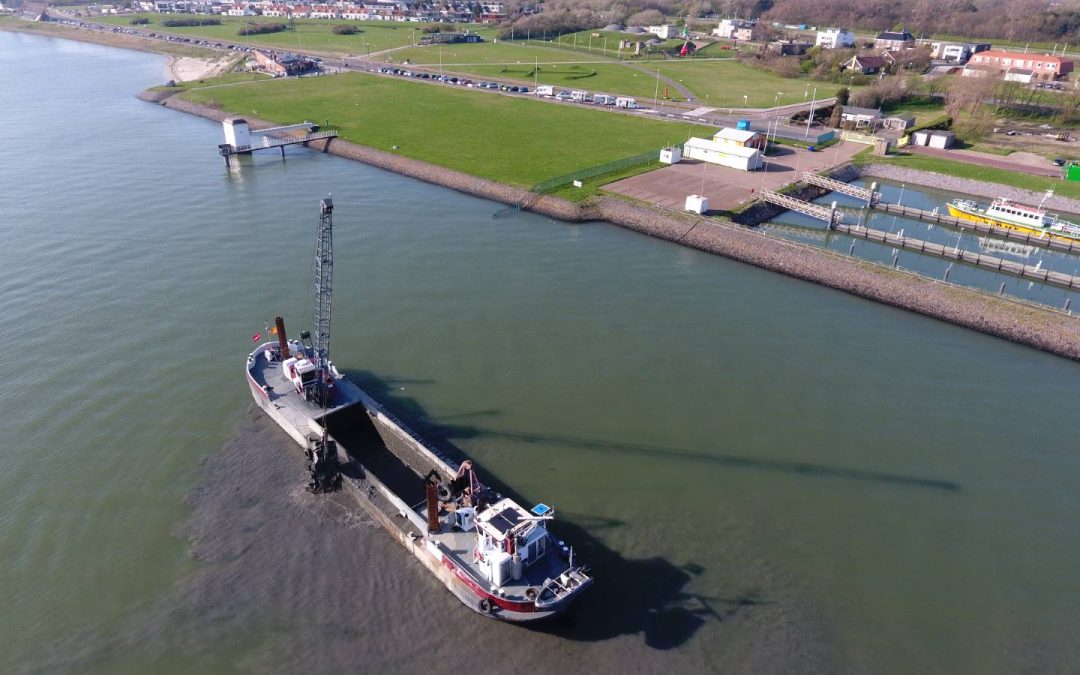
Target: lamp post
x,y
810,119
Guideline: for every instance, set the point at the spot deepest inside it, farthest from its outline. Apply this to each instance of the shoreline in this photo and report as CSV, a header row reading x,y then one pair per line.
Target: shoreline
x,y
1043,328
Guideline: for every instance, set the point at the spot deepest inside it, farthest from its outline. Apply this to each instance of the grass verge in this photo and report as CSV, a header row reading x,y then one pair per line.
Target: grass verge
x,y
980,173
508,139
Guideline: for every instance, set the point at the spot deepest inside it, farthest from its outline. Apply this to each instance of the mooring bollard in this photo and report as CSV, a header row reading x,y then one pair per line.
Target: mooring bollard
x,y
1068,302
851,251
1001,291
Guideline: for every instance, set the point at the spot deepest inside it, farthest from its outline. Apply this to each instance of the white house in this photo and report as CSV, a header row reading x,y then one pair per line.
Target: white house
x,y
664,32
736,29
1020,75
835,38
743,138
956,52
724,154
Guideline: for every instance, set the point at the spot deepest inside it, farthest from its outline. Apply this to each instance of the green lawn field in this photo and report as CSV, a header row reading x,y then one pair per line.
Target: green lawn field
x,y
723,80
488,53
726,82
310,34
511,140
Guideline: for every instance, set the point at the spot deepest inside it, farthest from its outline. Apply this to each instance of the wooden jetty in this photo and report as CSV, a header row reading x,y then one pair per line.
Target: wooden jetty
x,y
868,195
834,219
239,138
1045,240
1034,272
828,214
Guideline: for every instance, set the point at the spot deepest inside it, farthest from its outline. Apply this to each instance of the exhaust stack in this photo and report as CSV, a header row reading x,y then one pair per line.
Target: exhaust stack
x,y
283,342
432,486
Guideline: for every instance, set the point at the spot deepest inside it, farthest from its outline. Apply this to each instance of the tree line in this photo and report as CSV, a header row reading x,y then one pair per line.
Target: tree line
x,y
1014,20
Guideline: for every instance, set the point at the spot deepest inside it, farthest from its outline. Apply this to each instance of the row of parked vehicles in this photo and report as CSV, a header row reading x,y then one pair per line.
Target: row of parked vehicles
x,y
578,96
459,81
544,90
162,36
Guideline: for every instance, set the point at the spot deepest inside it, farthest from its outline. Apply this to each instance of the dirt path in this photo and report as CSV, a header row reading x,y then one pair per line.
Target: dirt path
x,y
1021,164
683,91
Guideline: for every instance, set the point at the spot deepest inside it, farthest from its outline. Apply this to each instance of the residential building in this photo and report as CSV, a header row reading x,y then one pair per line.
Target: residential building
x,y
835,38
956,52
1043,66
867,64
736,29
1020,75
281,64
898,122
862,118
892,41
664,32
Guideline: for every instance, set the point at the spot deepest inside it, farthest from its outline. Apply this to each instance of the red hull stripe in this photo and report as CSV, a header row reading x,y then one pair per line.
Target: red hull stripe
x,y
524,607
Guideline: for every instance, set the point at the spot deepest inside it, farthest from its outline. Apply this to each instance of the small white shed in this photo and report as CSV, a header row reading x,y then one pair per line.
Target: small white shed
x,y
920,138
941,140
698,204
237,133
672,155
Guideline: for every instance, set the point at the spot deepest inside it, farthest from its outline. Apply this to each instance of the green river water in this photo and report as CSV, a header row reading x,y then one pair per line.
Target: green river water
x,y
769,476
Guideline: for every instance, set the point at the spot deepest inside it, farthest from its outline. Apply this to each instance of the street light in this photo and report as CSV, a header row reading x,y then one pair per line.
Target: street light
x,y
744,100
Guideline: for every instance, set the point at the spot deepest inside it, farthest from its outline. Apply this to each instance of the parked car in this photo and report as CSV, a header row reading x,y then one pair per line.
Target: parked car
x,y
1059,161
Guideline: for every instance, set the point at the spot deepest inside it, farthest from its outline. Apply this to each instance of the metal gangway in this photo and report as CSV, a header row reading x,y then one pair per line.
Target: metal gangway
x,y
827,214
867,195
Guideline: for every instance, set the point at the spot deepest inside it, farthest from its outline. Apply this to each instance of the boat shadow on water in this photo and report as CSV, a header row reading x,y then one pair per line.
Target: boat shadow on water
x,y
647,597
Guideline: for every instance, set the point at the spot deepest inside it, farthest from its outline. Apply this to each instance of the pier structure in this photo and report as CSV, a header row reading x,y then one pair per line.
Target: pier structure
x,y
240,139
870,196
828,214
834,219
1033,272
1044,240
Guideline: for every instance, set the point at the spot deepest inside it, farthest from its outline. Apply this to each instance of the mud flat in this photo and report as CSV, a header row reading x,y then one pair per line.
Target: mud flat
x,y
1042,328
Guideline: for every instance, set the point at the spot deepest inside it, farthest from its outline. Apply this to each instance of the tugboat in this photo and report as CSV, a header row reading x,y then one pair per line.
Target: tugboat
x,y
497,557
1014,216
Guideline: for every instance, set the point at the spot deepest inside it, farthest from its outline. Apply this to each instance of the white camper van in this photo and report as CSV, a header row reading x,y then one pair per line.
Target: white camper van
x,y
603,99
580,96
545,90
625,102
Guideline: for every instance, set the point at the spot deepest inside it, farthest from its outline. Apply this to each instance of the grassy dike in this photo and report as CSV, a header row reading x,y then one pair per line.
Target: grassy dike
x,y
513,140
1041,328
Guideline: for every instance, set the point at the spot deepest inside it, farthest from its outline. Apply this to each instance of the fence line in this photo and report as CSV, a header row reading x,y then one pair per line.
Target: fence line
x,y
625,163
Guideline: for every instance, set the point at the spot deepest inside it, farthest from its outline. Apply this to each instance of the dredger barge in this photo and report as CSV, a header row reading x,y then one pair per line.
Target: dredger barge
x,y
496,556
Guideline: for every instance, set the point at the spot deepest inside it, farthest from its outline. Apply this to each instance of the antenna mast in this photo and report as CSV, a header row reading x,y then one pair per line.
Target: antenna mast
x,y
324,273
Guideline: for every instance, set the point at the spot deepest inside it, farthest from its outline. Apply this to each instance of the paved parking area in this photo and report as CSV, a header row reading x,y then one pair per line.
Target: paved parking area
x,y
727,188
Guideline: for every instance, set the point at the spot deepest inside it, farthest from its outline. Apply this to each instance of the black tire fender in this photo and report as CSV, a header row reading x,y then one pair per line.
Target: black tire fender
x,y
532,592
485,605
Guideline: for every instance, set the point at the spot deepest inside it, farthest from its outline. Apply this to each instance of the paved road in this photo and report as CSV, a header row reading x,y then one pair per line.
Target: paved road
x,y
983,159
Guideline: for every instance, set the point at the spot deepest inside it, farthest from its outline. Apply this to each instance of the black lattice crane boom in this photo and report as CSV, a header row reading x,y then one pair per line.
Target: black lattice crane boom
x,y
324,274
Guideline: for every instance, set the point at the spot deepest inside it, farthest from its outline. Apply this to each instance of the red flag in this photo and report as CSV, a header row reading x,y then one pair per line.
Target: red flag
x,y
256,337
